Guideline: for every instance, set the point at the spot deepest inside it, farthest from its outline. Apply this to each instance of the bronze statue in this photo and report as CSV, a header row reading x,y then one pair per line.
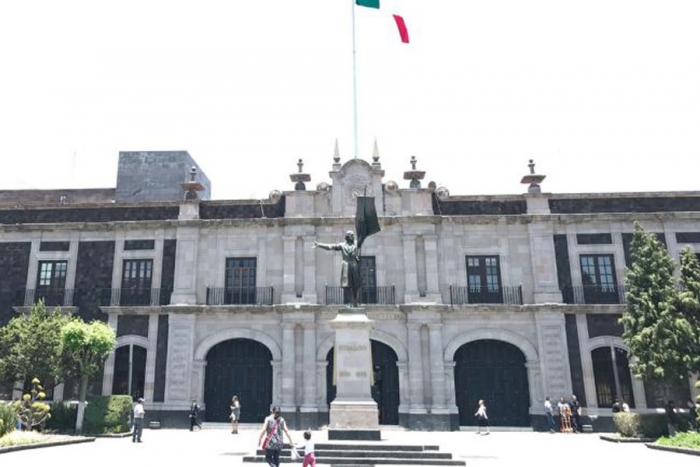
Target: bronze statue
x,y
350,274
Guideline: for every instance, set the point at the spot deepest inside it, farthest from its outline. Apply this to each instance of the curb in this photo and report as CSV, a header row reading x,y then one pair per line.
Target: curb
x,y
692,452
620,439
46,444
113,435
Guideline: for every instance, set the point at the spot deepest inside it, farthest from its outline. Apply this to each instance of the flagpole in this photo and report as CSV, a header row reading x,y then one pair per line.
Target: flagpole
x,y
354,82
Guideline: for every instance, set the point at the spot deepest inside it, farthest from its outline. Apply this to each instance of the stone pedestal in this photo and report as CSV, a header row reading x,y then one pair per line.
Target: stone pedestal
x,y
353,414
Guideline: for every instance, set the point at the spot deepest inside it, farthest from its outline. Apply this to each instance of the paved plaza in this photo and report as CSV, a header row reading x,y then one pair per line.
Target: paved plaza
x,y
214,447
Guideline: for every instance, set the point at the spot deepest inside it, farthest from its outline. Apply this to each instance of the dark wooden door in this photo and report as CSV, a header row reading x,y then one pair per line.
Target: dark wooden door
x,y
243,368
385,390
495,372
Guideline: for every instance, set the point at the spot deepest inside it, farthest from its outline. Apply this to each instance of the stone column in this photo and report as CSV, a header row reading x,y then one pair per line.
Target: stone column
x,y
432,269
451,397
276,382
32,271
289,268
410,268
437,367
151,357
415,369
535,385
199,368
178,377
586,362
544,265
108,374
185,289
309,294
288,368
308,408
404,396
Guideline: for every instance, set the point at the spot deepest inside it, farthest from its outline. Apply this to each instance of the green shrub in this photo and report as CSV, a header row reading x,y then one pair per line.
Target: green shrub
x,y
107,414
63,417
630,424
7,418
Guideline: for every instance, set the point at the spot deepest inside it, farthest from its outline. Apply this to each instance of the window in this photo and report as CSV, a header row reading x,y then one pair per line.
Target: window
x,y
594,239
139,245
130,371
51,282
484,279
54,246
136,282
240,281
598,277
368,276
612,376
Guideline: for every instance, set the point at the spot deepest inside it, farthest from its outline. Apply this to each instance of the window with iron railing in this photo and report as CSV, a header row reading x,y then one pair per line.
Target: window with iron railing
x,y
51,282
137,276
484,279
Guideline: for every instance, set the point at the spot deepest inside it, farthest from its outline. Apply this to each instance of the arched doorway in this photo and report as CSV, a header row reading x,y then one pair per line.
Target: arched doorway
x,y
613,380
130,370
241,367
494,371
385,390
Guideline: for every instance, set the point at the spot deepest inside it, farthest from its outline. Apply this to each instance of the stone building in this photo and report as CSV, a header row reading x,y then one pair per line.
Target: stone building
x,y
504,298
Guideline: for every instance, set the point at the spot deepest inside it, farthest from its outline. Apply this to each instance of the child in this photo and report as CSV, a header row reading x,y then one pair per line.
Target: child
x,y
309,451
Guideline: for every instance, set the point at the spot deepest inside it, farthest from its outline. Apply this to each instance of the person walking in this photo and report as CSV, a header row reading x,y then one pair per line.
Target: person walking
x,y
139,413
575,406
549,415
235,414
272,430
482,418
309,450
671,418
194,413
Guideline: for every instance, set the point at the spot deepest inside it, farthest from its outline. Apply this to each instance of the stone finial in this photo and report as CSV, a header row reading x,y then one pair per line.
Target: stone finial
x,y
415,176
533,179
336,157
300,177
192,186
375,151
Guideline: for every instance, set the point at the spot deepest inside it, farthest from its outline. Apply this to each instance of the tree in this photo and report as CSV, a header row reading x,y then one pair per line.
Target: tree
x,y
689,300
656,331
30,346
85,349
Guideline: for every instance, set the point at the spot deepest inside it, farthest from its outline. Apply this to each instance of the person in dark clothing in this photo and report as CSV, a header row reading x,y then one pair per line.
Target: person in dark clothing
x,y
575,414
616,407
671,418
194,413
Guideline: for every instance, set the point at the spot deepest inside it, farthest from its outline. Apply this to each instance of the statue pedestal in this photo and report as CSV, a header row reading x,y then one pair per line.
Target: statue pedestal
x,y
353,414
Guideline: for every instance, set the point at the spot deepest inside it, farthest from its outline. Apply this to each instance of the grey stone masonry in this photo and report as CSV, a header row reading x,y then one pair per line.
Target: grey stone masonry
x,y
156,176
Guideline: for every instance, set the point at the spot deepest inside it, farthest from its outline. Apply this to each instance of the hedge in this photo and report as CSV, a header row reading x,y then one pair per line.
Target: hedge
x,y
651,425
108,414
63,417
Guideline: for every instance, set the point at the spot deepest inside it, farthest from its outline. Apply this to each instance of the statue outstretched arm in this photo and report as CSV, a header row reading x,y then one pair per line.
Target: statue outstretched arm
x,y
327,246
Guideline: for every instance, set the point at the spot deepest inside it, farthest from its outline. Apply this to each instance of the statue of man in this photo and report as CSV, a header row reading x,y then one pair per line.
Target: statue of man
x,y
350,274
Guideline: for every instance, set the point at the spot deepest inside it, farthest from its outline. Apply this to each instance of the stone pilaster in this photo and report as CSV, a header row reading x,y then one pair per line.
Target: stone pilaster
x,y
108,374
554,354
544,265
151,357
432,270
586,362
415,369
178,376
410,268
289,269
199,369
437,366
288,367
276,383
310,295
185,290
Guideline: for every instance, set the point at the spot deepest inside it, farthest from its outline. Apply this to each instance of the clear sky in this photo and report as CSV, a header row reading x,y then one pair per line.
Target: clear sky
x,y
604,95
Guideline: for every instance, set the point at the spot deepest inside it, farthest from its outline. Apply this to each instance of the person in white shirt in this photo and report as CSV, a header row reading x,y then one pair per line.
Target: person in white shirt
x,y
482,418
139,413
549,415
309,451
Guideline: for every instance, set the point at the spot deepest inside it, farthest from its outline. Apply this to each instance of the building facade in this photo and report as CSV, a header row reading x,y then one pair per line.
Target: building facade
x,y
505,298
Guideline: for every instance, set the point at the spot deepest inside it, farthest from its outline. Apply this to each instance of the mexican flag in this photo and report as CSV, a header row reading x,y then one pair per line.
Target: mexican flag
x,y
400,23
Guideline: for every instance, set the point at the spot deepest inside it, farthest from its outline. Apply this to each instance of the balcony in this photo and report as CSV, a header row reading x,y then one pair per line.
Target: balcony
x,y
52,297
239,295
594,295
506,295
382,295
140,297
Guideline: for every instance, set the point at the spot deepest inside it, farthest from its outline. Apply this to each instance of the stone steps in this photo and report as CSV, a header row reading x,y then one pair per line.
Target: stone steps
x,y
366,454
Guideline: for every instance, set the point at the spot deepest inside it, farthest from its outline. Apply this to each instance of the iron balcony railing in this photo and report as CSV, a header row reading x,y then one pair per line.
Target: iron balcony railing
x,y
380,295
51,297
239,295
594,294
465,295
145,296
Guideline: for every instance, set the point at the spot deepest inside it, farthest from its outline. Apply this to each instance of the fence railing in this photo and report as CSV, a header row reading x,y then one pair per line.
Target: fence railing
x,y
239,295
140,297
380,295
465,295
51,297
594,294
